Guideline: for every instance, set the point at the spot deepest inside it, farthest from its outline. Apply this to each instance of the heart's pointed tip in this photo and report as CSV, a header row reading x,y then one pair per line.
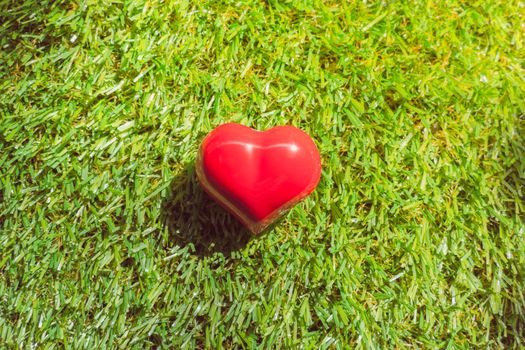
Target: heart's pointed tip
x,y
255,229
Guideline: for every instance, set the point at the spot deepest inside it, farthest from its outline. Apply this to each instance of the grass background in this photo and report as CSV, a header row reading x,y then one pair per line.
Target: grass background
x,y
414,237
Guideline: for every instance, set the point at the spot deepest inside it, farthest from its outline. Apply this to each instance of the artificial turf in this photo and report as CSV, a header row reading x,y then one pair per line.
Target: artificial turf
x,y
414,237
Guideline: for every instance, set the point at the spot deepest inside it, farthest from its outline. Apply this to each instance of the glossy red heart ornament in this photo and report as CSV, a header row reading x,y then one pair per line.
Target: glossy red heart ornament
x,y
258,175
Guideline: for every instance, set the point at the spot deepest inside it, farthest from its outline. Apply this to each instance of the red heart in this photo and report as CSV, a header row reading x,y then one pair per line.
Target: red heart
x,y
258,175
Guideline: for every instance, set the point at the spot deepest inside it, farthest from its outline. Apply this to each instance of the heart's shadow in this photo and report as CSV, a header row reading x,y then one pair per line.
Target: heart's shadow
x,y
192,217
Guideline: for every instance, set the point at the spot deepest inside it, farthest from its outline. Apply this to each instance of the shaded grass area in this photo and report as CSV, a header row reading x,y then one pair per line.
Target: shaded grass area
x,y
414,237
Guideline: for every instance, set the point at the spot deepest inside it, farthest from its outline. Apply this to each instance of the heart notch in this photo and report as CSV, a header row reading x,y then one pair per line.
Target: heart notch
x,y
258,175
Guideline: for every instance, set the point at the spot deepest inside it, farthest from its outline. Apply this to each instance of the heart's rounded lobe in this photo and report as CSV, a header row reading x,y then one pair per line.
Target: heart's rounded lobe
x,y
258,175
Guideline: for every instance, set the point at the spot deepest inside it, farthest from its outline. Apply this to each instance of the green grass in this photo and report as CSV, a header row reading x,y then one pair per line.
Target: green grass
x,y
415,236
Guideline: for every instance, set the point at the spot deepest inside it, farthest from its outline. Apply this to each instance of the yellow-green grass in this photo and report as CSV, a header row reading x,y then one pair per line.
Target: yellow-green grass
x,y
414,237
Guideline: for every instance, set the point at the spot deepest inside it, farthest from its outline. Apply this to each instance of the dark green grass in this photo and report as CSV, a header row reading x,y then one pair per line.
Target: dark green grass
x,y
414,238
